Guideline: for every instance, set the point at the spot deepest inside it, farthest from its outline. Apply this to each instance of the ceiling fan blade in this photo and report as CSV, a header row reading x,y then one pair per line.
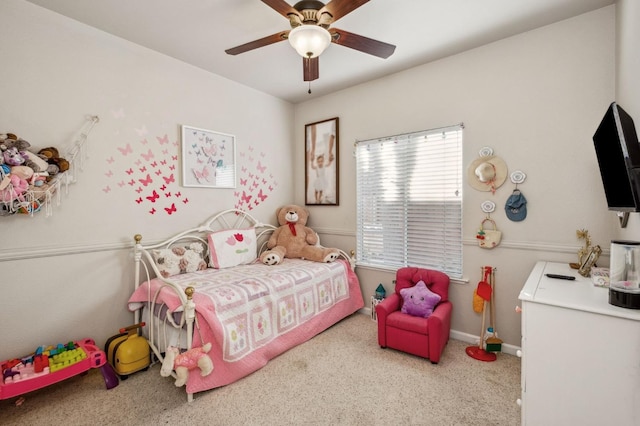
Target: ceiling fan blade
x,y
339,8
362,43
265,41
311,68
282,7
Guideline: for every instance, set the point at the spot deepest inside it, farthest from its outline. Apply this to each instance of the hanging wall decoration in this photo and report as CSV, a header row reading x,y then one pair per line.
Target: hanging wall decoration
x,y
208,158
487,172
516,205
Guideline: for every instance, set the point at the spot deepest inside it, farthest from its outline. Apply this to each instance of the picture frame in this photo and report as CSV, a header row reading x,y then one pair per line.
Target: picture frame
x,y
208,158
590,261
321,164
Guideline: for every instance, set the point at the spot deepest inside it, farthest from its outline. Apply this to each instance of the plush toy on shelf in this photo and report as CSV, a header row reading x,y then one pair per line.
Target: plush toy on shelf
x,y
182,363
293,239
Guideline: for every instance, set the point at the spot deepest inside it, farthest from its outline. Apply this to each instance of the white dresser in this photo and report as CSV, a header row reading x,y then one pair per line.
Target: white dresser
x,y
580,355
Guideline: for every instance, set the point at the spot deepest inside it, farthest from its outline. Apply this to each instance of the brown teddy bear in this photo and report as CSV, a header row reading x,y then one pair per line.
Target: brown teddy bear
x,y
293,239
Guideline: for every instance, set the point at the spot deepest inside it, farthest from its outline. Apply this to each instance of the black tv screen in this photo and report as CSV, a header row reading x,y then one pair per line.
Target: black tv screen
x,y
618,153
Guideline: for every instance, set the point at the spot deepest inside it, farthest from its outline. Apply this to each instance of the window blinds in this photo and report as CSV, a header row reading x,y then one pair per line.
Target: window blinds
x,y
409,201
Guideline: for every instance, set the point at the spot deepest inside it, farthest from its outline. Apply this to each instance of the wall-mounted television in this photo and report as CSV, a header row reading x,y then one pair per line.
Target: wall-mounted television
x,y
618,153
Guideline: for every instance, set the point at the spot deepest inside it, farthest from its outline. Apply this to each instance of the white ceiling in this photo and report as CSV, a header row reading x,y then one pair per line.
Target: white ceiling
x,y
199,31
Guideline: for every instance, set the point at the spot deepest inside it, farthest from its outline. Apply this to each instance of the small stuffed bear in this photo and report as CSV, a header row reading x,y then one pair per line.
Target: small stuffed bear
x,y
418,300
182,363
293,239
56,163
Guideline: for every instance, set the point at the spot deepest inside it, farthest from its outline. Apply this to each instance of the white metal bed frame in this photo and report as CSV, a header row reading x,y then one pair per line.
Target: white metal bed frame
x,y
143,258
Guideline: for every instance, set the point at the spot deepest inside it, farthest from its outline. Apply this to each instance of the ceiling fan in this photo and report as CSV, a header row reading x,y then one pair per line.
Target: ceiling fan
x,y
310,32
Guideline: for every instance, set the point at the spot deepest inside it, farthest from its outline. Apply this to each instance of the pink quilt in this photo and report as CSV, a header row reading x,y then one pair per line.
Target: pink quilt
x,y
253,313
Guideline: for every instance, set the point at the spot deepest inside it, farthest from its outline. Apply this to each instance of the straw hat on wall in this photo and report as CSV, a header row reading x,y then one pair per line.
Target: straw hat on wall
x,y
487,173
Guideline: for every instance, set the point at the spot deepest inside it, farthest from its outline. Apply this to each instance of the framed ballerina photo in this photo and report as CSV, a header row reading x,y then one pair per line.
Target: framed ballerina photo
x,y
321,163
208,158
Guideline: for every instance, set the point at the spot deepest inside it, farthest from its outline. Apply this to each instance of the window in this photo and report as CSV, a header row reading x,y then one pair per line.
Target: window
x,y
409,201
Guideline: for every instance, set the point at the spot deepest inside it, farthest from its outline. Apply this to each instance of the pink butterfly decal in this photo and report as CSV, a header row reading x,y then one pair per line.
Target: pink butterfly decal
x,y
165,151
178,194
126,150
131,182
143,169
163,162
130,171
139,200
137,162
246,198
109,173
152,211
158,172
261,167
261,196
163,140
169,179
244,169
171,209
154,164
121,183
146,181
153,196
167,194
186,200
144,141
147,156
110,160
106,189
172,167
174,157
243,181
118,114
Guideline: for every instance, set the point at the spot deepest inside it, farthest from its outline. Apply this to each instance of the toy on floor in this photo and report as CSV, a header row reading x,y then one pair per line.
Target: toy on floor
x,y
52,364
182,363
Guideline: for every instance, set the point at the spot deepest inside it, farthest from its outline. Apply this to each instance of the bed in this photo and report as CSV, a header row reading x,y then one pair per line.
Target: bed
x,y
205,285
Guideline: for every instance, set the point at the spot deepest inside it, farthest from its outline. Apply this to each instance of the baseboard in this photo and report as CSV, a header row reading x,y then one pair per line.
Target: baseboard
x,y
464,337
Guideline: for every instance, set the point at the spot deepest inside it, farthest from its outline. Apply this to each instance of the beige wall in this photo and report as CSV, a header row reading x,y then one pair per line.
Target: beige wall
x,y
628,81
536,99
68,276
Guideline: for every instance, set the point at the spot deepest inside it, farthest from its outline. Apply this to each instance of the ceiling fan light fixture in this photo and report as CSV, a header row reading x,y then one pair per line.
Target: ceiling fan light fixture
x,y
309,40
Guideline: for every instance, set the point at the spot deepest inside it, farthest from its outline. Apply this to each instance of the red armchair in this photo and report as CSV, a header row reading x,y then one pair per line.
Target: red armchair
x,y
425,337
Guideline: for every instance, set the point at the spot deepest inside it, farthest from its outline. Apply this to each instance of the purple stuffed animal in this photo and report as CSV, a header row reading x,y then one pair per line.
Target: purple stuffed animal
x,y
418,300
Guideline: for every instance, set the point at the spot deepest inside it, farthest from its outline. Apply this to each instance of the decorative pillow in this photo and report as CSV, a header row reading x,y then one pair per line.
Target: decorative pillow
x,y
232,247
418,300
180,260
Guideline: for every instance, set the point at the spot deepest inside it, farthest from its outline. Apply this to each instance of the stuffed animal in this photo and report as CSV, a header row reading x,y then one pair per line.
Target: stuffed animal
x,y
293,239
57,164
13,157
12,187
418,300
182,363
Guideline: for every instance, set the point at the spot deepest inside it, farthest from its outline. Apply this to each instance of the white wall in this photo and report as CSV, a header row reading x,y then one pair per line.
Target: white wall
x,y
628,82
536,99
68,276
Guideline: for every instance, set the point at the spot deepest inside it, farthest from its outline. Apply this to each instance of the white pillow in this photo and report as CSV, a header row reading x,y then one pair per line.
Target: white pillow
x,y
180,260
232,247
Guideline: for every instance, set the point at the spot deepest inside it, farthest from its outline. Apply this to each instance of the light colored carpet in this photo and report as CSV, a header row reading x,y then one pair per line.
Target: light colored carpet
x,y
340,377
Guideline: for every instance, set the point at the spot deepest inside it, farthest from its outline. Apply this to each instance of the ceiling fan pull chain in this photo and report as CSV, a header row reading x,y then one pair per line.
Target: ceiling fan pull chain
x,y
309,91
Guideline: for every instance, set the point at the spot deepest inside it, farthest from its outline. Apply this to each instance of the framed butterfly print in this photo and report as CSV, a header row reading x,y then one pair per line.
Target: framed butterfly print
x,y
208,158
